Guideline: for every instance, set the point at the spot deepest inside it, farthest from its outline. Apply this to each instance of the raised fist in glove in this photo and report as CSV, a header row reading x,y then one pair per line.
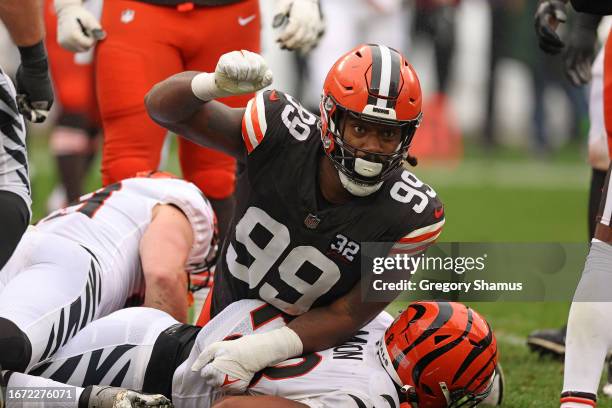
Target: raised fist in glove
x,y
548,16
581,49
34,90
231,365
77,29
237,73
302,24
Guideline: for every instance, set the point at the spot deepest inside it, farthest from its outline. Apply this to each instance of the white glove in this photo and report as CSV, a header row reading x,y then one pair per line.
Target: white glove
x,y
231,364
237,73
77,29
305,25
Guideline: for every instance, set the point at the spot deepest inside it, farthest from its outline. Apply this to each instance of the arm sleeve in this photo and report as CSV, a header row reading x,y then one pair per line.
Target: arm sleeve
x,y
594,7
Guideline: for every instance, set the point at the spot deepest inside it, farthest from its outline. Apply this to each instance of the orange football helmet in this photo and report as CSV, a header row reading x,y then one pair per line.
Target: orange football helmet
x,y
441,354
376,84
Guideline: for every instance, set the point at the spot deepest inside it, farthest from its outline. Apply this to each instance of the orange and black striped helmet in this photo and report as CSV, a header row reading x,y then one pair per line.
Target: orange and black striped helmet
x,y
441,354
376,84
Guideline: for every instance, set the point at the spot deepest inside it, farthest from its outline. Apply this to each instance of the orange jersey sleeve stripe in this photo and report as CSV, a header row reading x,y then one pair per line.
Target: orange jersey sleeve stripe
x,y
248,134
256,125
420,238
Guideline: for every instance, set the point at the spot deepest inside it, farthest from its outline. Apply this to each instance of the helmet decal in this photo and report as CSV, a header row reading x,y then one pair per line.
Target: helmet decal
x,y
384,85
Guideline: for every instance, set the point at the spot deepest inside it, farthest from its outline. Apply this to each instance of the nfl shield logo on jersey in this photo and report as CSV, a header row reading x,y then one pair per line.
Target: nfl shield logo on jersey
x,y
312,221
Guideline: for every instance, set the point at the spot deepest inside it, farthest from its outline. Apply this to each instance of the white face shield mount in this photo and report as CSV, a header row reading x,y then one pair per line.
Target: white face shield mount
x,y
364,168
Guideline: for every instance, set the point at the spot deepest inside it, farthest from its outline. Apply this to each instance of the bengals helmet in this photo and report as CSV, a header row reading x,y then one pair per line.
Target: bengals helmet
x,y
441,355
376,84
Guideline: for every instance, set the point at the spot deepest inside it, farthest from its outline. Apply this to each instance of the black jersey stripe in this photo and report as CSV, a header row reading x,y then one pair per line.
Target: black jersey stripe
x,y
8,99
358,401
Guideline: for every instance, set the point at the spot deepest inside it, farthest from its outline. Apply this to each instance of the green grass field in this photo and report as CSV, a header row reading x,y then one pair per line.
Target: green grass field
x,y
503,197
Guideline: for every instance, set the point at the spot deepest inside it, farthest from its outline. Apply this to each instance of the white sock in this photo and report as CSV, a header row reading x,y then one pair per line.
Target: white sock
x,y
589,326
20,385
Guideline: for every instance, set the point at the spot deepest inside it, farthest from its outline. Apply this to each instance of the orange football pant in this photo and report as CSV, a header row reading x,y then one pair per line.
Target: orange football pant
x,y
145,44
73,84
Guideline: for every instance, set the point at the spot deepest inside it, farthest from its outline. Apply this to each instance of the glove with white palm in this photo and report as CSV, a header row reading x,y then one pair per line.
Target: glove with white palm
x,y
237,73
302,22
231,364
77,28
549,15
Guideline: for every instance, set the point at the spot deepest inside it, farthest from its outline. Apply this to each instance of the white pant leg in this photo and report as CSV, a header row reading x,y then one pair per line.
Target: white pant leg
x,y
52,289
114,350
66,396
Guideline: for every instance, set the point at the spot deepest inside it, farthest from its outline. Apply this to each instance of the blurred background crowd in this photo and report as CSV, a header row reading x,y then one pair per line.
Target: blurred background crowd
x,y
486,84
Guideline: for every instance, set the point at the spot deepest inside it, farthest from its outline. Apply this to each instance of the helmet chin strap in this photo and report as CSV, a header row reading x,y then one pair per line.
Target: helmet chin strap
x,y
364,168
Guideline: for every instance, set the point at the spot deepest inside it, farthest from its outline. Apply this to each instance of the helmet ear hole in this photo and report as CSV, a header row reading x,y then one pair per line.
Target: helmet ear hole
x,y
427,390
358,53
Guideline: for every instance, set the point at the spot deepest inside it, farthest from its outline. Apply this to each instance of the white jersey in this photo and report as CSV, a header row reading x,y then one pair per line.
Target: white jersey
x,y
13,155
349,375
111,221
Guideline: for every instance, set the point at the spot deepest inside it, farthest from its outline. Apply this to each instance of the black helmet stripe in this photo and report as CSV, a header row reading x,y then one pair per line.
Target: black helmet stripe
x,y
420,312
478,349
430,357
444,314
394,83
385,80
376,70
469,383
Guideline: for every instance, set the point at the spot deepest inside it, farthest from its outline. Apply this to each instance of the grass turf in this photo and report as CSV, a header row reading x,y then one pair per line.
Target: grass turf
x,y
501,196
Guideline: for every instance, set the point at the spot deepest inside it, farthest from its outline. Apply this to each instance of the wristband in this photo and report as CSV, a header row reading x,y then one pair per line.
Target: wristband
x,y
204,87
34,56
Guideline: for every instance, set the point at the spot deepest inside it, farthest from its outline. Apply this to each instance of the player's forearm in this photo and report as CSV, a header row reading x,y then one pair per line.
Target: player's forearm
x,y
588,21
173,104
172,100
168,293
23,19
257,402
325,327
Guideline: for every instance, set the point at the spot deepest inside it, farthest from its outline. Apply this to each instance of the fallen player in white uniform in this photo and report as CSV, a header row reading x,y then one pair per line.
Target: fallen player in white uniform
x,y
88,260
435,354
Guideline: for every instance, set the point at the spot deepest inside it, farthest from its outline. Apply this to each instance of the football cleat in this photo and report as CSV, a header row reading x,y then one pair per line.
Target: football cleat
x,y
548,341
96,396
